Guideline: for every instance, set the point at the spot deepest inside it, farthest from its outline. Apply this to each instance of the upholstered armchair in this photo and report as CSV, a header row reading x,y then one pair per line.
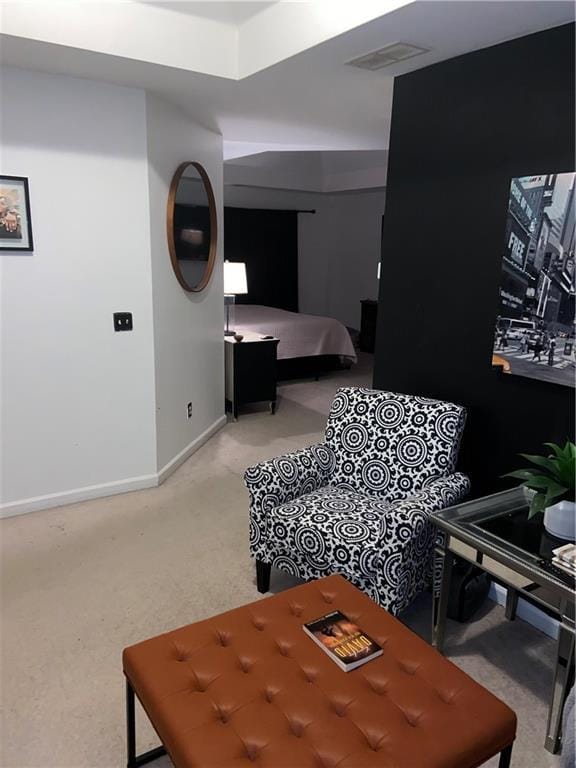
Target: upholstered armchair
x,y
359,503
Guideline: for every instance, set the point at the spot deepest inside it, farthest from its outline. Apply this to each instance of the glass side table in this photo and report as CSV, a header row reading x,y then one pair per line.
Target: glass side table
x,y
495,534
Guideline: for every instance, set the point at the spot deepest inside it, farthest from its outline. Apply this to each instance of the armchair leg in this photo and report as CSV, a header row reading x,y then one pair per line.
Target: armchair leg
x,y
263,576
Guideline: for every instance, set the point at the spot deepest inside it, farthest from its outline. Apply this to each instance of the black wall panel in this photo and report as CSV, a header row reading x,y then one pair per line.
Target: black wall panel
x,y
460,131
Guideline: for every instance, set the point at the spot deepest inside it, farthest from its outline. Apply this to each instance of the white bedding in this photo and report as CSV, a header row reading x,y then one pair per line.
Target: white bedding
x,y
300,335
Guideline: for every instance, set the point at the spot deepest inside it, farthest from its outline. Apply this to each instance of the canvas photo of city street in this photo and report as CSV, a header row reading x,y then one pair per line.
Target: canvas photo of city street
x,y
535,327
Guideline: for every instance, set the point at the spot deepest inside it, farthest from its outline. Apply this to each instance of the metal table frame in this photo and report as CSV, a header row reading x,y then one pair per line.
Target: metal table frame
x,y
458,524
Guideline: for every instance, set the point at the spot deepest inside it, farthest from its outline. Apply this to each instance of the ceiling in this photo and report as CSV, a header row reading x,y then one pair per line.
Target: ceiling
x,y
312,171
232,13
311,100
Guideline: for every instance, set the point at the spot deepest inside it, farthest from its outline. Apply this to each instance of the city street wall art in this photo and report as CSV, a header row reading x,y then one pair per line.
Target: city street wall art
x,y
534,333
15,220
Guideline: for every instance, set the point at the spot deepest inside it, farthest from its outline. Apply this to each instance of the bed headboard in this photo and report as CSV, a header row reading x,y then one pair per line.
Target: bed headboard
x,y
267,242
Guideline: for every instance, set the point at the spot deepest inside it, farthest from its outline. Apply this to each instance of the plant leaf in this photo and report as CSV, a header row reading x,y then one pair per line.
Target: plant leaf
x,y
524,474
566,473
552,478
556,448
555,495
570,451
541,461
538,483
537,505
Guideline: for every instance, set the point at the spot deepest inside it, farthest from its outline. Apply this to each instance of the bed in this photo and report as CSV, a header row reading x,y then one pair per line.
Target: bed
x,y
266,241
309,344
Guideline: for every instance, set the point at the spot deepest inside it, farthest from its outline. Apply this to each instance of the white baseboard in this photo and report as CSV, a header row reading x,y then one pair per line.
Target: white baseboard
x,y
37,503
191,448
526,611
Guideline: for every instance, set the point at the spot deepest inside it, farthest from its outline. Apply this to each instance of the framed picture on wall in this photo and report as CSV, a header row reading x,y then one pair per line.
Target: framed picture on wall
x,y
535,327
15,219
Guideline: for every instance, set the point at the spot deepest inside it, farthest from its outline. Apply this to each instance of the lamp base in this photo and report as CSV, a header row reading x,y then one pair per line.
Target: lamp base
x,y
228,302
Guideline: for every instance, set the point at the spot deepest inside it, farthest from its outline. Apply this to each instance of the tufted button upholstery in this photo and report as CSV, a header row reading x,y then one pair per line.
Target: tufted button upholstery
x,y
244,701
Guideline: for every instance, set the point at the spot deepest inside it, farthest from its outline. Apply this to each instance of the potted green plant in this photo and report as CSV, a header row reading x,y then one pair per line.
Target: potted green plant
x,y
552,480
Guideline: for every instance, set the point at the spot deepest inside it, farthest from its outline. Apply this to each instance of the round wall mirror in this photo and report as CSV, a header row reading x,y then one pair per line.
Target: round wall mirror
x,y
192,226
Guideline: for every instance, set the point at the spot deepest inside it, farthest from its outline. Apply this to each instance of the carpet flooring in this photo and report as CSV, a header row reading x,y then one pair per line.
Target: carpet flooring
x,y
81,582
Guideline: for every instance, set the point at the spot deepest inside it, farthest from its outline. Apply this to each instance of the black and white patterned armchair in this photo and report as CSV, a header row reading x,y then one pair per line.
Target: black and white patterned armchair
x,y
359,503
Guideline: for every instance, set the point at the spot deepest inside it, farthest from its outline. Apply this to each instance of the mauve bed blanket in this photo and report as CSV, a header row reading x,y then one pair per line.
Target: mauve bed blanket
x,y
300,335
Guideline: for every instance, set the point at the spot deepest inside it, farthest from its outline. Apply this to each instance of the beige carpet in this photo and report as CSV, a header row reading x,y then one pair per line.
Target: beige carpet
x,y
81,582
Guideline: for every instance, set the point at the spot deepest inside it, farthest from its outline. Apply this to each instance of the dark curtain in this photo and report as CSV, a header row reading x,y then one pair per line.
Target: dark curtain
x,y
267,241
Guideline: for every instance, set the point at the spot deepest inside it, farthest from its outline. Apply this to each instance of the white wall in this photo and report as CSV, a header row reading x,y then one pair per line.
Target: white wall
x,y
77,398
188,327
338,246
86,411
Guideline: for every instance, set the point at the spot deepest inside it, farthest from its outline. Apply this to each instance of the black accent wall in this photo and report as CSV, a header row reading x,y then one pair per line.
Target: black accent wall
x,y
460,131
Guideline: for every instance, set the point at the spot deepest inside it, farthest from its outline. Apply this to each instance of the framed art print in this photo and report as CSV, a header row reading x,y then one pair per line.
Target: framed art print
x,y
15,219
535,328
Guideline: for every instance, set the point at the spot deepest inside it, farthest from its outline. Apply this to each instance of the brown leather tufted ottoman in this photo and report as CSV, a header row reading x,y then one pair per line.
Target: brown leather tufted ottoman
x,y
249,686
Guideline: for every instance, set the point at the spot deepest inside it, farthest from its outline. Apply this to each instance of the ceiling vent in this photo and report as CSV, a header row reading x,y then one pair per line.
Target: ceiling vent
x,y
385,57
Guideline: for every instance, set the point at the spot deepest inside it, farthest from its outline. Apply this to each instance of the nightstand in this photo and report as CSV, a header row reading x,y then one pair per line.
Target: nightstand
x,y
250,371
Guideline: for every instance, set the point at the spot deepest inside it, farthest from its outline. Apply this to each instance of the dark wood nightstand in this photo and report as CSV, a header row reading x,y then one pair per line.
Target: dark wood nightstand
x,y
368,325
250,371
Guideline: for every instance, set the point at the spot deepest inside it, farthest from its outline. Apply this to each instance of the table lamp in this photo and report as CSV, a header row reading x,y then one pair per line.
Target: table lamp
x,y
234,284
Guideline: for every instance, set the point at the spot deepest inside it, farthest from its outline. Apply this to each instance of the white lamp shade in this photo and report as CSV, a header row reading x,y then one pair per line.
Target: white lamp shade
x,y
235,277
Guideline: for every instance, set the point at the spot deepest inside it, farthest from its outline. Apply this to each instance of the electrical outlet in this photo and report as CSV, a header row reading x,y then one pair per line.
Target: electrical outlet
x,y
189,410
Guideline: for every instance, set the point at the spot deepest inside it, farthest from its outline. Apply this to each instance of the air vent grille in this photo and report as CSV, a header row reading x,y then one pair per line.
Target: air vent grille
x,y
384,57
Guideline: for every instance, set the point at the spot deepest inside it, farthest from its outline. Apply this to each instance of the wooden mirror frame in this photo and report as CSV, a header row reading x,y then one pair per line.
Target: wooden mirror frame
x,y
213,227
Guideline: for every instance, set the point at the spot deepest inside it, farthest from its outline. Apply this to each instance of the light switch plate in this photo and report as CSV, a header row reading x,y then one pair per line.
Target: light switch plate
x,y
122,321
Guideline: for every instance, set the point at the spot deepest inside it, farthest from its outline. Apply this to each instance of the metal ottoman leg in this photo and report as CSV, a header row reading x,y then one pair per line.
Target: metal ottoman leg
x,y
133,760
130,726
505,757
